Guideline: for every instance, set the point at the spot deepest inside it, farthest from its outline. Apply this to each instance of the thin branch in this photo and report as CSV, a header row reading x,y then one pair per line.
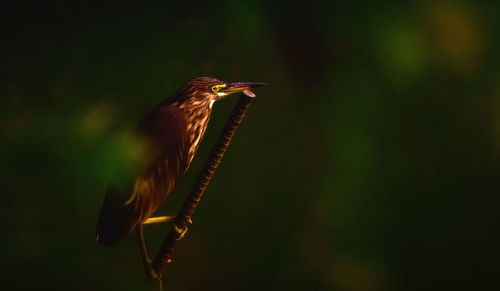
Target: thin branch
x,y
144,252
183,218
146,261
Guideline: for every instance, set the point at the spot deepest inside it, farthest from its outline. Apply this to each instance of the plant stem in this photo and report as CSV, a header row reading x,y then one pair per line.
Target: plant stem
x,y
183,218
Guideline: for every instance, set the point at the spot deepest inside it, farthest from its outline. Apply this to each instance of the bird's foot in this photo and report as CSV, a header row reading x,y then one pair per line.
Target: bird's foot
x,y
181,230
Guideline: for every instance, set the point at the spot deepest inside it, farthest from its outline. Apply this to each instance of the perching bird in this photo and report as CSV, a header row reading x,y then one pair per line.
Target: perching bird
x,y
172,131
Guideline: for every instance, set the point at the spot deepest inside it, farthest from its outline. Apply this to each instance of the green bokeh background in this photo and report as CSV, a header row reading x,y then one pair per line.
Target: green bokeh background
x,y
370,161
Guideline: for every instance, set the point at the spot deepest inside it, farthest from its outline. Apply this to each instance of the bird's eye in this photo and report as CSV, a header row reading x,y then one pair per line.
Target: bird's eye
x,y
215,89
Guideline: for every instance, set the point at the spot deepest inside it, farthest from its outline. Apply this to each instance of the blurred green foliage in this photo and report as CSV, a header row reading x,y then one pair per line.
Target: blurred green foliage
x,y
369,162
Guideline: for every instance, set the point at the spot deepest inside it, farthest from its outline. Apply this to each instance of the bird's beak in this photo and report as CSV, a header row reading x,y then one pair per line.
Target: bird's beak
x,y
231,88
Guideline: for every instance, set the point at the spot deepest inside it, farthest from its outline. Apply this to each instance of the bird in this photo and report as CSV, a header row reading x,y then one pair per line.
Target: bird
x,y
171,132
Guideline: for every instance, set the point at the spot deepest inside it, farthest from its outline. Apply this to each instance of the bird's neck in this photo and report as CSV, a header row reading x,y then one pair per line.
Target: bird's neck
x,y
197,115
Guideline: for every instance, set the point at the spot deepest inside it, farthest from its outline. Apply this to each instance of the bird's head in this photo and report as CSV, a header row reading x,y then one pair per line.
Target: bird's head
x,y
206,89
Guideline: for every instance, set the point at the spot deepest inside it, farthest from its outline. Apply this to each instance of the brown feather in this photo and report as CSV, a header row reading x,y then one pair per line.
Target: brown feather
x,y
172,130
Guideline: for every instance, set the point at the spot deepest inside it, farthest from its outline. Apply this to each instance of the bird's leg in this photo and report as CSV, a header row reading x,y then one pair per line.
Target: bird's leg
x,y
144,252
159,219
170,219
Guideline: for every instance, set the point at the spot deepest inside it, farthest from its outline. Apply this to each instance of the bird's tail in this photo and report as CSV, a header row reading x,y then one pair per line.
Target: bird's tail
x,y
116,221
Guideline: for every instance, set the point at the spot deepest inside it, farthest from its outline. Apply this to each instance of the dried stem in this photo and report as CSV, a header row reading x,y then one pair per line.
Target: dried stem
x,y
183,218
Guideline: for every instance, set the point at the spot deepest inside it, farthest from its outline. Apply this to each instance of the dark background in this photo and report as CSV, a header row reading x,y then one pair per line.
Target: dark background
x,y
370,161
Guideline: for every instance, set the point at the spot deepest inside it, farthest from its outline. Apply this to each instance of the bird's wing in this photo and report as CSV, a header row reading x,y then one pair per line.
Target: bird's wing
x,y
123,209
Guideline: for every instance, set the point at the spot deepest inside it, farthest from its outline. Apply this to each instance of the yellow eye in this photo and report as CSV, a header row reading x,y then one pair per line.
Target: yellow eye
x,y
215,89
